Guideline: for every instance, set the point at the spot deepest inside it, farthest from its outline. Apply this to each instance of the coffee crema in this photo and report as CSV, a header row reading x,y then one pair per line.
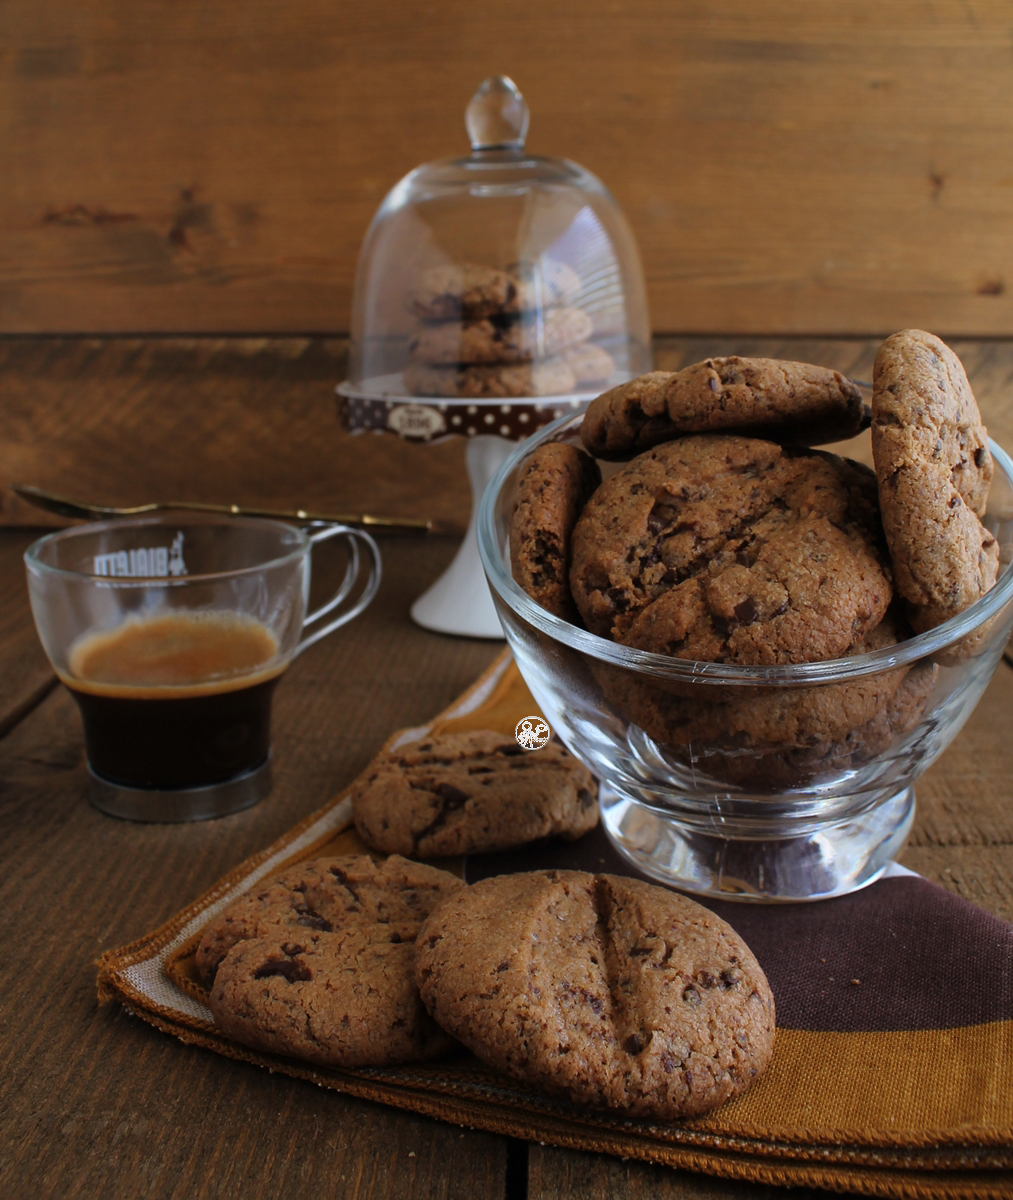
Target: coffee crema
x,y
173,654
178,700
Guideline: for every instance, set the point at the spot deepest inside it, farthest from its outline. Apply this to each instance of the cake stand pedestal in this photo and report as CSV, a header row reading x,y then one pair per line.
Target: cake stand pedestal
x,y
459,602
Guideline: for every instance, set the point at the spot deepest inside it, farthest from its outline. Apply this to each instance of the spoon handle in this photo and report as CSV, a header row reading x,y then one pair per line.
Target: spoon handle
x,y
72,508
359,520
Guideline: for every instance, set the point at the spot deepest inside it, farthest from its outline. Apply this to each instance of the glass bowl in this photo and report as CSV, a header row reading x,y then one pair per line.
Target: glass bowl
x,y
779,783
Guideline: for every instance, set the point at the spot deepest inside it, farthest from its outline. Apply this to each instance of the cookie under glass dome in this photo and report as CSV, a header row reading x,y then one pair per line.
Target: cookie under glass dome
x,y
498,275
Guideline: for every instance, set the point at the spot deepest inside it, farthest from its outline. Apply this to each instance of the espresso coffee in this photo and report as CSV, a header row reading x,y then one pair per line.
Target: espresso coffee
x,y
178,700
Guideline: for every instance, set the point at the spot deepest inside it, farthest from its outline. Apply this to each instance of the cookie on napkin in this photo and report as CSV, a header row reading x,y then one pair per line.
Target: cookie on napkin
x,y
469,793
318,962
605,989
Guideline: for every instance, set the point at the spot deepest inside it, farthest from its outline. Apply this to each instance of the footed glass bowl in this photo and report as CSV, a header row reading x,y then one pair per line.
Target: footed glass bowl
x,y
776,783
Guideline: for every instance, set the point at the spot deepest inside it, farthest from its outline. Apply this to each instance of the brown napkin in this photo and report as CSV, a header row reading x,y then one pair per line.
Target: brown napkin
x,y
893,1068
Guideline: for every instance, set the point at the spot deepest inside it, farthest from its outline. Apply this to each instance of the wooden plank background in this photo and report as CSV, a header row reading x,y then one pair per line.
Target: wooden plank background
x,y
254,421
837,166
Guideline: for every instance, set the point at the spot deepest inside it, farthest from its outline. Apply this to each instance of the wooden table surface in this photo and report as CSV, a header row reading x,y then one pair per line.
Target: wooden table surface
x,y
95,1103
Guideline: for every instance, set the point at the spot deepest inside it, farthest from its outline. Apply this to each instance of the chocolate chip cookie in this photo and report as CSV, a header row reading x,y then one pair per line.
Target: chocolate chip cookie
x,y
772,738
605,989
474,291
546,282
553,487
554,377
500,339
731,549
589,363
317,963
468,793
934,470
759,397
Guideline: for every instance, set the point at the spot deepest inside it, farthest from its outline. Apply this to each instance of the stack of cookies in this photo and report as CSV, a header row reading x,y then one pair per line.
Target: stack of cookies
x,y
488,333
724,538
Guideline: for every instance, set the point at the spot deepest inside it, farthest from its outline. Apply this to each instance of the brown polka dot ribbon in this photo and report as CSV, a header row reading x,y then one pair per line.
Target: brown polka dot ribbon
x,y
430,421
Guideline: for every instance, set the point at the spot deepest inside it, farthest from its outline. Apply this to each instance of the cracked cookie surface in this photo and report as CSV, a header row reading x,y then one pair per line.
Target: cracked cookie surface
x,y
730,549
470,793
759,397
554,485
934,469
605,989
317,962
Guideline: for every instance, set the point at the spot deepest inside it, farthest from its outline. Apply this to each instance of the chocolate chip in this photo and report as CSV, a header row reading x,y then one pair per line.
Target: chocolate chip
x,y
745,610
633,1044
979,456
313,920
452,795
287,968
342,878
619,599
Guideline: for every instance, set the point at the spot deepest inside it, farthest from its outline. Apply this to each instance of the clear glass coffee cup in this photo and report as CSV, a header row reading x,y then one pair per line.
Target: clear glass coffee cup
x,y
171,633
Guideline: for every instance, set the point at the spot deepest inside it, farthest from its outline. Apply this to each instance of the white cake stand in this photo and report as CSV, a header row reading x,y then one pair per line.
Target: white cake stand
x,y
459,602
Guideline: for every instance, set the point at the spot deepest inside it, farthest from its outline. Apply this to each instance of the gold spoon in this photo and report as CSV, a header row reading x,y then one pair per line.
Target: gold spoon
x,y
90,512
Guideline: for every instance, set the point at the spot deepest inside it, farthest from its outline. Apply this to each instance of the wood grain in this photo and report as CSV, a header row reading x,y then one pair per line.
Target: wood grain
x,y
253,421
825,168
563,1174
963,832
26,677
239,421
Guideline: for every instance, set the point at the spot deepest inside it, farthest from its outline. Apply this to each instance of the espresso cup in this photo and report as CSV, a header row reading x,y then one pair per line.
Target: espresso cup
x,y
171,633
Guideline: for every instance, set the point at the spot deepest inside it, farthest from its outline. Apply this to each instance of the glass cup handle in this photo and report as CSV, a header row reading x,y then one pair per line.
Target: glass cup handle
x,y
352,572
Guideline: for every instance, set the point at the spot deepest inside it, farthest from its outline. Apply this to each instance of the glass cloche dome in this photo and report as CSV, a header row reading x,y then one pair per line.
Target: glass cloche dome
x,y
498,275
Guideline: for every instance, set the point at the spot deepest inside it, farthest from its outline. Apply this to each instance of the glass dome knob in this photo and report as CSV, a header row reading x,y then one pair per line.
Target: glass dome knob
x,y
497,117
